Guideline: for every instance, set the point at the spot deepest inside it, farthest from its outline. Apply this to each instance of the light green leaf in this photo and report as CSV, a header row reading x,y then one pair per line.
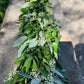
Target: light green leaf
x,y
56,55
34,64
54,33
21,49
36,81
41,23
46,67
55,46
18,60
39,19
42,42
33,40
27,63
19,41
45,61
51,49
33,44
25,75
47,3
25,5
28,15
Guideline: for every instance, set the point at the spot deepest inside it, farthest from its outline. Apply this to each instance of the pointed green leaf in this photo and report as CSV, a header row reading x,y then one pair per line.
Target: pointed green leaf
x,y
28,15
28,66
56,55
47,3
25,75
34,64
41,23
15,78
33,44
27,63
25,5
45,61
42,42
55,47
19,41
44,72
18,60
57,72
21,49
51,49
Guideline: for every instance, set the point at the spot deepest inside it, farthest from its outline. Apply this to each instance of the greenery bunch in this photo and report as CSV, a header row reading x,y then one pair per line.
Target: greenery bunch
x,y
38,46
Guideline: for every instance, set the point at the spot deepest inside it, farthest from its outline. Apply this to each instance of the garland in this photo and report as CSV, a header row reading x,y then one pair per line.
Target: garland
x,y
38,46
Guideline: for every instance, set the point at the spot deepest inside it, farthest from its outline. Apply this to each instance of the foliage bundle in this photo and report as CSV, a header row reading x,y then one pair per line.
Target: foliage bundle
x,y
3,6
38,46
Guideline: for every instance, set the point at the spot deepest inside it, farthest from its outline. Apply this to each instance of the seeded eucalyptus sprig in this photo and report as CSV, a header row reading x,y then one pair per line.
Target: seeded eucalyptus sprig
x,y
38,46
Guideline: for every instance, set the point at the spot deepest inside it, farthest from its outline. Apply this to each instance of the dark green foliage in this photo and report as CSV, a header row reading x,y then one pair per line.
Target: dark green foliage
x,y
38,46
3,6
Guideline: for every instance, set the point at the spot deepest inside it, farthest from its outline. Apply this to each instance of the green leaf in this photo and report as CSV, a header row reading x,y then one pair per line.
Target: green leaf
x,y
55,47
36,81
57,40
39,19
28,15
47,67
47,3
44,72
15,78
41,23
33,40
33,44
25,5
39,54
21,49
48,57
54,33
25,75
34,64
56,55
57,72
51,49
45,61
28,63
19,41
18,60
42,42
57,23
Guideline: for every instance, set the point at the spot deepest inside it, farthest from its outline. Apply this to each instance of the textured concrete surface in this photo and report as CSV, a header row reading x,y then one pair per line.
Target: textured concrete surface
x,y
8,35
73,11
72,68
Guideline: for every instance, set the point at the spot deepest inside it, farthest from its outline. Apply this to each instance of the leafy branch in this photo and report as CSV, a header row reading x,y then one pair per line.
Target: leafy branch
x,y
38,46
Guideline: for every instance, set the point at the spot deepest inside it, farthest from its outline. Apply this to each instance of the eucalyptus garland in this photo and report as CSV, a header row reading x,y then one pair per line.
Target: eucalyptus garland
x,y
38,46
